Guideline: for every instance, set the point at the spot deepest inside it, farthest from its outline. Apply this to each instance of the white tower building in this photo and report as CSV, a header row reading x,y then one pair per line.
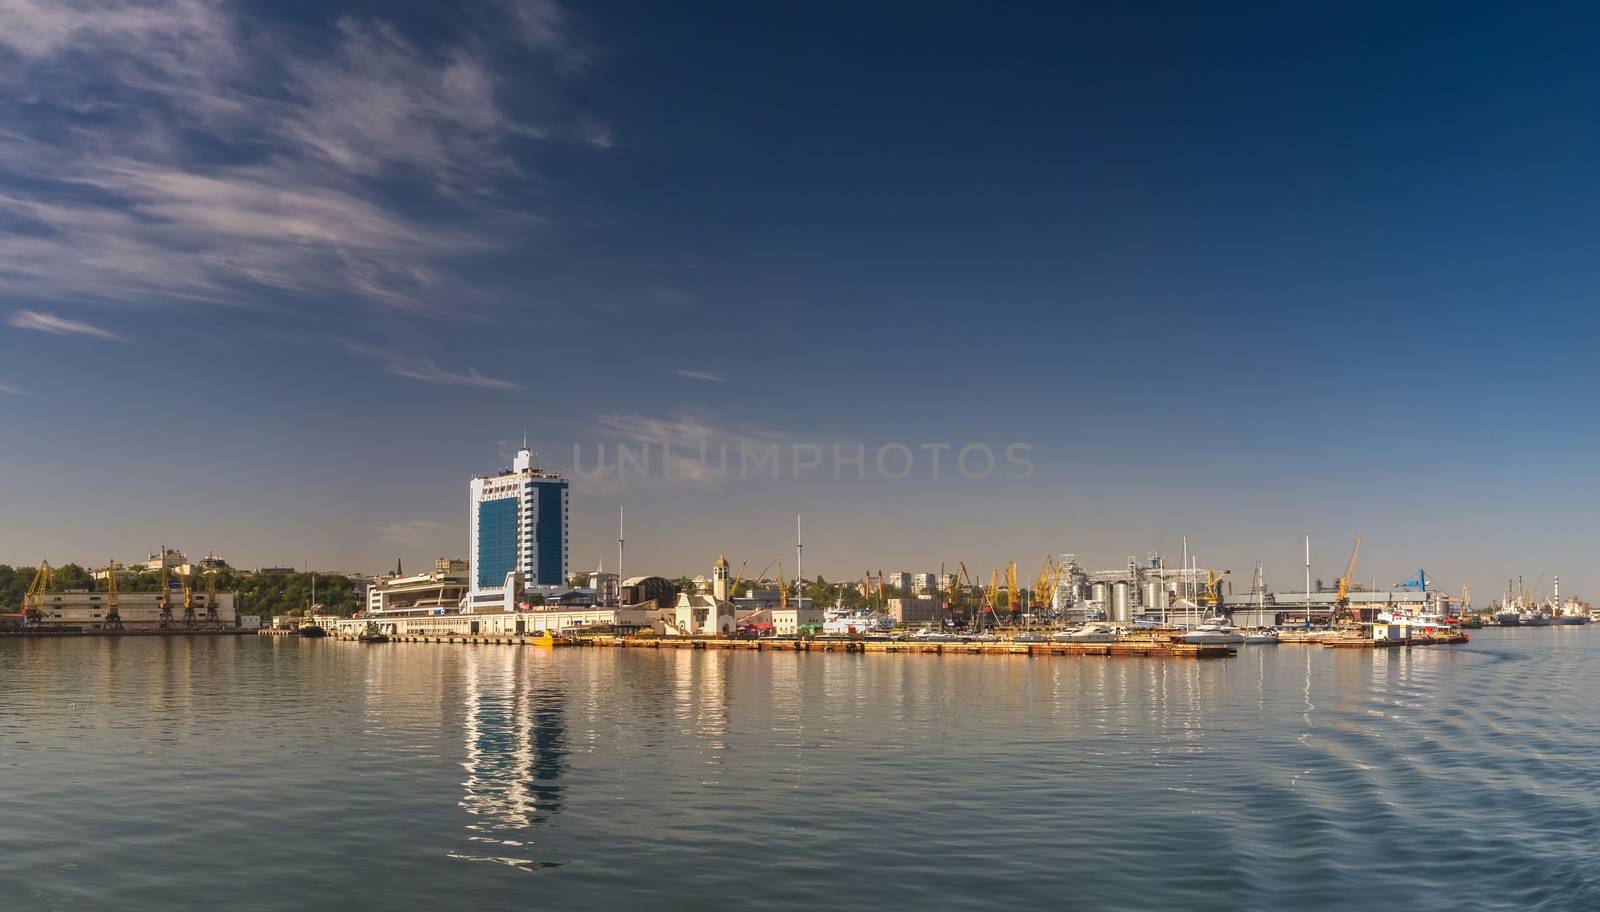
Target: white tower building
x,y
517,534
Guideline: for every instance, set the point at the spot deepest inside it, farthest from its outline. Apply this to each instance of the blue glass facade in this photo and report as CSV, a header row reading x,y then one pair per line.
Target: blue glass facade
x,y
552,533
497,541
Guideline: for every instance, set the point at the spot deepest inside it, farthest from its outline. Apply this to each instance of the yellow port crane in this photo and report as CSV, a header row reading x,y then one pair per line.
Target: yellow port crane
x,y
783,588
165,599
1013,595
1044,590
188,600
733,588
211,597
1213,596
113,620
1341,609
33,599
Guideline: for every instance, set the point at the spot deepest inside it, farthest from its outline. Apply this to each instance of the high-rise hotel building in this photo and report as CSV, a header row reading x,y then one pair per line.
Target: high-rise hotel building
x,y
519,534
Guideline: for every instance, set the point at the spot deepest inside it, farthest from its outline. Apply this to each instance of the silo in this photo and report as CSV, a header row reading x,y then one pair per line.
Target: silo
x,y
1155,598
1097,593
1121,604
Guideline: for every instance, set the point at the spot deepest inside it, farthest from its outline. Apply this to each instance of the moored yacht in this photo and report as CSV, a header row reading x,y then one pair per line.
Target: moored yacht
x,y
1089,633
1217,631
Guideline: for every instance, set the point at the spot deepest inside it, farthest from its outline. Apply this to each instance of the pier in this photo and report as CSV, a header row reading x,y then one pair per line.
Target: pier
x,y
1141,648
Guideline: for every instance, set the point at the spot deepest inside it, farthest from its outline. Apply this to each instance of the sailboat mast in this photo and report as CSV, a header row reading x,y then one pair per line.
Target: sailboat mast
x,y
1308,579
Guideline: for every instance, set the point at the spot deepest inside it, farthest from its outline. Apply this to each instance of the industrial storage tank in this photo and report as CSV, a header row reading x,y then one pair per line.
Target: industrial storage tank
x,y
1121,602
1097,594
1061,598
1155,598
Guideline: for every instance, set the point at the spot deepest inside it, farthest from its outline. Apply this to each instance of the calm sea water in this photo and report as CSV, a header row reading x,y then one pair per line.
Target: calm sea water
x,y
257,773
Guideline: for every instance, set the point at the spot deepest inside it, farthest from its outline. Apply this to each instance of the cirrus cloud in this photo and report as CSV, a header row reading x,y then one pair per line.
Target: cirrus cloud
x,y
59,326
189,150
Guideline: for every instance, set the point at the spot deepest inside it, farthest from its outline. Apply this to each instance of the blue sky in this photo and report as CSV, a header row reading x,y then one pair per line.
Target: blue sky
x,y
276,277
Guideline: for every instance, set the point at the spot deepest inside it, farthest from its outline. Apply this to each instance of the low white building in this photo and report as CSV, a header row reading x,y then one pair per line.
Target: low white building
x,y
556,620
138,610
435,592
798,620
706,614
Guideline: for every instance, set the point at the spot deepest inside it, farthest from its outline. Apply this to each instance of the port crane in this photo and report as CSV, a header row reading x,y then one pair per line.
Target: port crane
x,y
1013,595
991,597
188,600
1341,611
113,619
211,597
33,599
165,600
733,588
1044,589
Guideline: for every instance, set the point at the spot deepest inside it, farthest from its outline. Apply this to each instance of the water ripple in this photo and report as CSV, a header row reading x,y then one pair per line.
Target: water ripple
x,y
283,774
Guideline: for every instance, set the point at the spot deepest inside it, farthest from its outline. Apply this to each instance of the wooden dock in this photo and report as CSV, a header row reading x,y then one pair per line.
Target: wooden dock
x,y
1142,648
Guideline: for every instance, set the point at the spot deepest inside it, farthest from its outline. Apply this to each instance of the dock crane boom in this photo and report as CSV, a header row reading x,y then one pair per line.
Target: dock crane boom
x,y
1342,603
1045,588
113,620
783,588
188,600
211,597
1013,595
33,599
165,600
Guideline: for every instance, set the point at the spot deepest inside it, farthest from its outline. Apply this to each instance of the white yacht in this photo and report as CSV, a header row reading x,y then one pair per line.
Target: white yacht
x,y
1213,631
1261,636
853,623
1419,620
1089,633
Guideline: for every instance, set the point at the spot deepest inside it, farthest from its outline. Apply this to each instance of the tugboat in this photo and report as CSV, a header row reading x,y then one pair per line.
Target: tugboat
x,y
373,634
312,629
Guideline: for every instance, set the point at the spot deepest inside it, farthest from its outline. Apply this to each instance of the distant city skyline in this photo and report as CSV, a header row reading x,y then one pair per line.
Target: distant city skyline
x,y
275,280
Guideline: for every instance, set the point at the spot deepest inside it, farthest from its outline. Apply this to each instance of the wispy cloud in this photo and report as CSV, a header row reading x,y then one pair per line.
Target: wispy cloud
x,y
187,150
685,450
428,372
60,326
707,376
413,531
417,367
10,390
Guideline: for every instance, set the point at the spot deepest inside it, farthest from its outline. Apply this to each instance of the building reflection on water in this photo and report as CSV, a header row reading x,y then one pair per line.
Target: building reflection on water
x,y
515,733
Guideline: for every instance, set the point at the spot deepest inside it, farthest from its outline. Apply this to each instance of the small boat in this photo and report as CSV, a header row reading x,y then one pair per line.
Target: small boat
x,y
929,635
547,638
373,634
310,630
1508,619
1535,620
1261,636
1472,623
